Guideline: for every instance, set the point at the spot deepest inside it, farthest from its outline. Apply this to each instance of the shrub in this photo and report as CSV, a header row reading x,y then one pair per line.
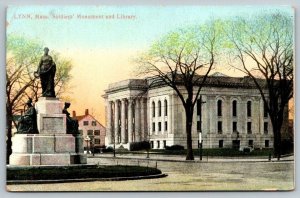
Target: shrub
x,y
136,146
98,149
108,149
174,147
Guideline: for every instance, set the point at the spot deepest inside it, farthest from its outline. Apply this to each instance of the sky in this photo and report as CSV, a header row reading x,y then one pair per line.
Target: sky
x,y
102,41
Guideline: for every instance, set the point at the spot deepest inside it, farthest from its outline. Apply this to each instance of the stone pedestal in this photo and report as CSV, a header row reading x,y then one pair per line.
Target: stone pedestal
x,y
50,119
52,146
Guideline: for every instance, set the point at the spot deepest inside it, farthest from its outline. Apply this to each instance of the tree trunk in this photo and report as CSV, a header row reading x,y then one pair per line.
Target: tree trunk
x,y
9,119
277,124
189,122
277,143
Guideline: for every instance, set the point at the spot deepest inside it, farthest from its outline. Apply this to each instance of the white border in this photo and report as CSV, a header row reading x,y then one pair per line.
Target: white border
x,y
5,3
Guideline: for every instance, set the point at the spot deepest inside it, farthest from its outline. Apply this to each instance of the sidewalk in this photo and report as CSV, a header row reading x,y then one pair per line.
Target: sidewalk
x,y
181,158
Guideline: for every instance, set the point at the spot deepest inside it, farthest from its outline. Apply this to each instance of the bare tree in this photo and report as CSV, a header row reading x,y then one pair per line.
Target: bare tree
x,y
182,60
262,47
22,59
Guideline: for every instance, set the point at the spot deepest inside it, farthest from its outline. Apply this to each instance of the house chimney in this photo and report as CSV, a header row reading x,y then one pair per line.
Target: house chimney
x,y
74,114
86,112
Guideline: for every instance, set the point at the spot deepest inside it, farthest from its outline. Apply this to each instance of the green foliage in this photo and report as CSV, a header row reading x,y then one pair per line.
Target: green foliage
x,y
222,152
23,50
196,45
261,37
136,146
108,149
183,57
174,147
263,47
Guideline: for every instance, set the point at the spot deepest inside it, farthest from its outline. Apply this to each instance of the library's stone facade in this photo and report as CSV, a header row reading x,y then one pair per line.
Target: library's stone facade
x,y
231,114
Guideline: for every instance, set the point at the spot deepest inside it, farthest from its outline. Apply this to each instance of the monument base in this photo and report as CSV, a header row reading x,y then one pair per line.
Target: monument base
x,y
46,149
21,159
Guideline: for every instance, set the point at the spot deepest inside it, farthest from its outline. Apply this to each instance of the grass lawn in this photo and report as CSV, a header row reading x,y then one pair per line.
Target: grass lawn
x,y
77,172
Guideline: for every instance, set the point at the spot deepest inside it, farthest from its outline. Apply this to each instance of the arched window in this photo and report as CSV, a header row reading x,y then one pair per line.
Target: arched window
x,y
153,109
234,108
159,108
219,107
249,108
166,107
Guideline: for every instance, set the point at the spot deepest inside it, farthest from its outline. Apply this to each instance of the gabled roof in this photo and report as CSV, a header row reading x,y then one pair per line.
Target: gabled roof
x,y
81,117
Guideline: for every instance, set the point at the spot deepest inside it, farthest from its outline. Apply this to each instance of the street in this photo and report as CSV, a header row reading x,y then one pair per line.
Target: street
x,y
184,176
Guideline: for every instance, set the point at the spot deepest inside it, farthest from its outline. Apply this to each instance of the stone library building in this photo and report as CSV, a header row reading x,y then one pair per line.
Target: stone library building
x,y
229,113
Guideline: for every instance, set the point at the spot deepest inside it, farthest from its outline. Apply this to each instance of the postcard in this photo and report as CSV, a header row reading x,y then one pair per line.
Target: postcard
x,y
150,98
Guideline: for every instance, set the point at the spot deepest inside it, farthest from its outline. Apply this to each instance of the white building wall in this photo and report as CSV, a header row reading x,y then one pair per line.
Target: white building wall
x,y
175,133
165,134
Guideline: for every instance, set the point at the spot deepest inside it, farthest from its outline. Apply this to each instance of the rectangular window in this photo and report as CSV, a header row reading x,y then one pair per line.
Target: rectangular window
x,y
219,107
250,143
220,127
153,126
267,143
198,125
85,123
97,141
234,108
249,108
234,127
249,127
199,107
158,145
166,108
97,132
266,124
152,144
153,109
236,144
221,142
159,126
90,132
265,111
165,143
159,108
166,125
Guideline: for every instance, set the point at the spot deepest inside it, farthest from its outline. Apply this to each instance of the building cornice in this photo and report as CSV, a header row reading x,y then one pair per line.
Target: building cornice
x,y
211,81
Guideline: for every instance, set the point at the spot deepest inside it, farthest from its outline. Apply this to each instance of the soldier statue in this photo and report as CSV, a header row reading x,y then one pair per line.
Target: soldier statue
x,y
72,124
46,72
27,123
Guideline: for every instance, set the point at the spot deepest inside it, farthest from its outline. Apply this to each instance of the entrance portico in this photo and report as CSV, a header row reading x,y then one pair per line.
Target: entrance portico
x,y
126,114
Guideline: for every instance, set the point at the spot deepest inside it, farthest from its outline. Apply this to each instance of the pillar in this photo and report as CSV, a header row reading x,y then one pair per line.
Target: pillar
x,y
108,123
142,134
137,120
116,122
123,129
130,120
